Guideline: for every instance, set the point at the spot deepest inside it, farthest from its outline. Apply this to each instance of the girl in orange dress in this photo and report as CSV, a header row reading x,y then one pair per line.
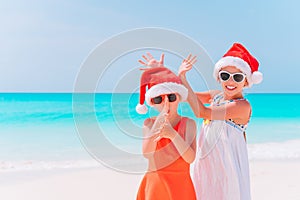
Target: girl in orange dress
x,y
169,139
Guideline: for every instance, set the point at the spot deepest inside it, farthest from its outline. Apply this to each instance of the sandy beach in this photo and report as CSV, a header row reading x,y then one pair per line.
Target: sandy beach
x,y
275,180
269,180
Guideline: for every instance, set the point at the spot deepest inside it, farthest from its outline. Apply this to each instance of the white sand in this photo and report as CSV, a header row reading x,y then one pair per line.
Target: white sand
x,y
269,180
275,180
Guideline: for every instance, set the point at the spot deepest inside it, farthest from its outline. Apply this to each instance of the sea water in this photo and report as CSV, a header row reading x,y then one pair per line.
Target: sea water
x,y
43,130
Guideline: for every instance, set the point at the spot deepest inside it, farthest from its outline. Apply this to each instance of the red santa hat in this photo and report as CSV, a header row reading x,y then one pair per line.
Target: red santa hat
x,y
239,57
159,80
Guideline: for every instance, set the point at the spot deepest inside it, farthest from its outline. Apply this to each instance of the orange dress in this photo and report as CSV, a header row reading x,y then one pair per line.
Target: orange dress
x,y
172,179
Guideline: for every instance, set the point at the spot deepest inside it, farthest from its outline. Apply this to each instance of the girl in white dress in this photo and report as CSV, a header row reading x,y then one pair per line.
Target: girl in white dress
x,y
221,170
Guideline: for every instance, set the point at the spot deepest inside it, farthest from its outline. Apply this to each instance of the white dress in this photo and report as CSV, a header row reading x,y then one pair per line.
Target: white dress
x,y
221,168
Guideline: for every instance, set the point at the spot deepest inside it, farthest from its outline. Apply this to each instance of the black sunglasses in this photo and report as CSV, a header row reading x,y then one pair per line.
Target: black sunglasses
x,y
159,99
237,77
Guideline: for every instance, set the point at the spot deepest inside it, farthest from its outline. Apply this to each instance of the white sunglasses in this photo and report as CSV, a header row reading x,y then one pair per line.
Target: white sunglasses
x,y
237,77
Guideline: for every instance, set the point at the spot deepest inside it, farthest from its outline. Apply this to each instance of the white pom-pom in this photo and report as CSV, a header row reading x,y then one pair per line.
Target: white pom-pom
x,y
141,109
257,77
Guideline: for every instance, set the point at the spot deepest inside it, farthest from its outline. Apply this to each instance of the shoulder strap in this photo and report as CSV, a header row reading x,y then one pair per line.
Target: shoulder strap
x,y
182,127
217,98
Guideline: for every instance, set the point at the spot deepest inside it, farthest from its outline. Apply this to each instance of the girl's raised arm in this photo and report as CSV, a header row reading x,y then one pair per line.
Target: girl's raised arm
x,y
193,100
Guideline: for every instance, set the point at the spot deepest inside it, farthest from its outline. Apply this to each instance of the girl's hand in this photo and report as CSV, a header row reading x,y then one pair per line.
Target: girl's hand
x,y
186,65
161,118
151,62
167,131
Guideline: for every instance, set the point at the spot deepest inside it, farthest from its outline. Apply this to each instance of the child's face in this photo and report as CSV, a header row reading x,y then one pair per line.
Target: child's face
x,y
233,85
168,101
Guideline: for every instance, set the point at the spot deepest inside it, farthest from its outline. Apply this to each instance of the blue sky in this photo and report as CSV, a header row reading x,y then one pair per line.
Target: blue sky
x,y
44,43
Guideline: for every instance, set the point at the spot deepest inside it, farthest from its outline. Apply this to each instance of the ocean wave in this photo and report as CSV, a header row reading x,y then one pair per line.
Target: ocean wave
x,y
7,166
288,150
135,165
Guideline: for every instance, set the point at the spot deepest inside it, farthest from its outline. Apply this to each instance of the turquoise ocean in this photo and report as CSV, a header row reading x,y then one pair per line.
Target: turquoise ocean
x,y
38,130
